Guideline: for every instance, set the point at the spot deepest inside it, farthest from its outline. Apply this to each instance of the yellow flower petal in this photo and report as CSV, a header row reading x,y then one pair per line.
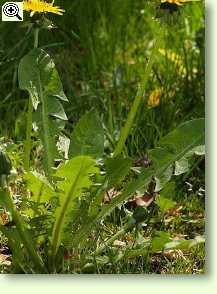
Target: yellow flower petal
x,y
41,6
178,2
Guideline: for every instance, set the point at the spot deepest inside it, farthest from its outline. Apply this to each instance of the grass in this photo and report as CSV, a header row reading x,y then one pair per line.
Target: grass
x,y
101,49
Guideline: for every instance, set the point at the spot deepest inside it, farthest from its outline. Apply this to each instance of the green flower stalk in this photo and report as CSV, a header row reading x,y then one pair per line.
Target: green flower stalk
x,y
28,143
137,101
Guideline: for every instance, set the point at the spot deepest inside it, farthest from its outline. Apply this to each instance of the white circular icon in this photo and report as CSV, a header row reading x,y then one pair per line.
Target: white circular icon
x,y
11,10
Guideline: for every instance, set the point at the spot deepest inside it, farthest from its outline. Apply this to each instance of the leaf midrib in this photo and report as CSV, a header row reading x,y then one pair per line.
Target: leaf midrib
x,y
45,123
64,209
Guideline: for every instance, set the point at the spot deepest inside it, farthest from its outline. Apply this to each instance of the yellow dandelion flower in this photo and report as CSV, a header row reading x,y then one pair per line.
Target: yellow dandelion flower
x,y
40,6
154,98
172,6
178,2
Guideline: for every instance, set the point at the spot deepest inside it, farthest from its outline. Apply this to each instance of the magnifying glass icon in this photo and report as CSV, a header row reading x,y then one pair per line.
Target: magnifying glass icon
x,y
11,10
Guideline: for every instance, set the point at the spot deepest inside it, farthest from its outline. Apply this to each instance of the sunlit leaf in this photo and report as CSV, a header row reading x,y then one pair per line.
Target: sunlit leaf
x,y
39,186
75,177
159,241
